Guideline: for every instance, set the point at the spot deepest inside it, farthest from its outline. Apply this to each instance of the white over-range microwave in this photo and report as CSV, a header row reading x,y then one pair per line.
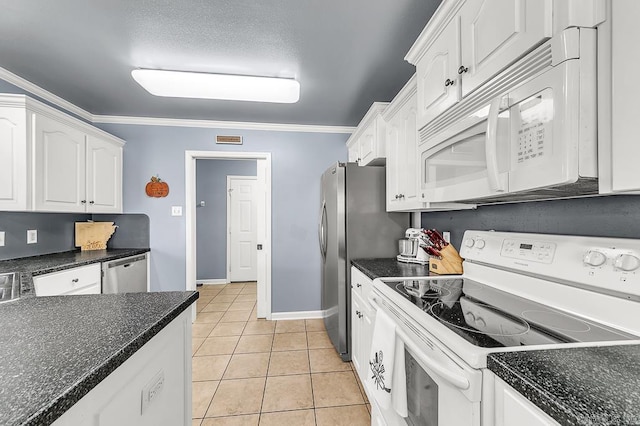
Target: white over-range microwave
x,y
529,133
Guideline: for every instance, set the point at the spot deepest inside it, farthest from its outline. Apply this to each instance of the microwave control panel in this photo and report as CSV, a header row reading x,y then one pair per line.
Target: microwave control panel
x,y
534,127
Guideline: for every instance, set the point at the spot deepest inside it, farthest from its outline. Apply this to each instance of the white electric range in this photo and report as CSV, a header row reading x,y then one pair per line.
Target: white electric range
x,y
518,292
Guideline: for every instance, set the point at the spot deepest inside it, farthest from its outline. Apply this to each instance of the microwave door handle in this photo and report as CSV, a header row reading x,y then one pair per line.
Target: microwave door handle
x,y
491,146
456,380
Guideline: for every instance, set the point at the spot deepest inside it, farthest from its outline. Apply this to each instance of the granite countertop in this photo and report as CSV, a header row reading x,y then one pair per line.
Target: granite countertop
x,y
390,267
577,386
28,267
54,350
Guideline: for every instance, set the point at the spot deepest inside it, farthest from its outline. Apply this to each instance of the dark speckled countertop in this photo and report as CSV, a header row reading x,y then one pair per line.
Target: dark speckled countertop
x,y
579,386
28,267
390,267
54,350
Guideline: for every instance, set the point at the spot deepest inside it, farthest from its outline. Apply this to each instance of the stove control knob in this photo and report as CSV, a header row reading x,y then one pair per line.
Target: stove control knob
x,y
626,262
594,258
480,243
469,242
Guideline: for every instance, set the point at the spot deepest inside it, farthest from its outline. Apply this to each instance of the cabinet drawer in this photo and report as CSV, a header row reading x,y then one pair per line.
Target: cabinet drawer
x,y
83,280
361,284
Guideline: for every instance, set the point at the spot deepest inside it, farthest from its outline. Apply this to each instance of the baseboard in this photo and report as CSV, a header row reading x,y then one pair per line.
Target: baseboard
x,y
296,315
215,281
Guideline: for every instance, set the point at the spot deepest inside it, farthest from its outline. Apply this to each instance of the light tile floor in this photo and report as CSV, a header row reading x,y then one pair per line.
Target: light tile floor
x,y
255,372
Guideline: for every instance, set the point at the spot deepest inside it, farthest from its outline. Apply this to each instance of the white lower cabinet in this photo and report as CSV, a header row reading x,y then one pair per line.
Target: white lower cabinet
x,y
52,162
82,280
361,322
151,388
512,408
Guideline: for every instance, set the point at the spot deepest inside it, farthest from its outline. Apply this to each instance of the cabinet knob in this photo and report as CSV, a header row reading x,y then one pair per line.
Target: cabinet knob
x,y
358,285
401,196
75,280
397,196
462,69
92,202
83,202
449,82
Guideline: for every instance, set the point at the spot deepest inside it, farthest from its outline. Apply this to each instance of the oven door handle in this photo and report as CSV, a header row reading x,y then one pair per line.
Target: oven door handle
x,y
456,380
491,147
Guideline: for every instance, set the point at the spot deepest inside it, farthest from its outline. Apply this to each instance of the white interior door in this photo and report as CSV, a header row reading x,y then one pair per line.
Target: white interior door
x,y
242,228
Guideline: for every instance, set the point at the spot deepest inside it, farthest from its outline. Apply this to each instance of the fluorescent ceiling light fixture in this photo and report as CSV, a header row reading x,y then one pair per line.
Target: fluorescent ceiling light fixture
x,y
180,84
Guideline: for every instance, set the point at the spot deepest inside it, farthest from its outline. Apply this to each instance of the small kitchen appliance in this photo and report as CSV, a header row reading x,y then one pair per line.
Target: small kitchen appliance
x,y
411,248
518,292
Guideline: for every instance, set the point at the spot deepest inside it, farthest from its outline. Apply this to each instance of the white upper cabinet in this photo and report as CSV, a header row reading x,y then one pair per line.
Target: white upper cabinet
x,y
366,144
59,166
104,175
468,42
401,143
494,33
14,168
437,72
52,162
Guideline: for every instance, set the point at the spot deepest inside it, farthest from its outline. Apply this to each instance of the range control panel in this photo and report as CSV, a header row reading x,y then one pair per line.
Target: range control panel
x,y
611,265
534,251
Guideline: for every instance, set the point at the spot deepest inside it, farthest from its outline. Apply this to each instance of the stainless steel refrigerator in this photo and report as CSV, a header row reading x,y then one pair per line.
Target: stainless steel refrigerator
x,y
353,224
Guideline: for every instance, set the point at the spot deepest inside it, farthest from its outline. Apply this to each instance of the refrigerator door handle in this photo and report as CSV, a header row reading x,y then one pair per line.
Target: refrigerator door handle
x,y
322,232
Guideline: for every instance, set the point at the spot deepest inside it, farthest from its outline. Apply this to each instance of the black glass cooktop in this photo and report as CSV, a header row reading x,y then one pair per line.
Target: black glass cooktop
x,y
491,318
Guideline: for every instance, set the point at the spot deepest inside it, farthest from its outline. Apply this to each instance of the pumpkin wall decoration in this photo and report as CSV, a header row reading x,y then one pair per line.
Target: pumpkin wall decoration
x,y
157,188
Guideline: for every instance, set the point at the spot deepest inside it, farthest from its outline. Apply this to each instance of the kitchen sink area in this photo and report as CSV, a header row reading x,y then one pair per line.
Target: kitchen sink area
x,y
9,287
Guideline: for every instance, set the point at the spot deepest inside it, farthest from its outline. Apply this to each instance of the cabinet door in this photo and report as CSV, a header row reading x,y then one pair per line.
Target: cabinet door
x,y
14,168
514,409
494,33
394,163
369,144
356,323
408,167
437,72
354,151
104,176
59,166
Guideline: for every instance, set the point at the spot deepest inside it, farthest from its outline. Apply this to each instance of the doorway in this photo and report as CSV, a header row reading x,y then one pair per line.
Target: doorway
x,y
242,238
263,223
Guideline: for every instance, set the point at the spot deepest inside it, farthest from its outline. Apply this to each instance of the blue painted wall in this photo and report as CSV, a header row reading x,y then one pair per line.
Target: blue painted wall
x,y
298,160
211,220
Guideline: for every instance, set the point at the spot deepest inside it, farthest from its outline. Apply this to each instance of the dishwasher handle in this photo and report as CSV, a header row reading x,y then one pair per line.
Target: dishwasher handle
x,y
126,262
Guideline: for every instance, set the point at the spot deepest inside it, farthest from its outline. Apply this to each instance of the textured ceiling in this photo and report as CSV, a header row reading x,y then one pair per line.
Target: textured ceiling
x,y
346,54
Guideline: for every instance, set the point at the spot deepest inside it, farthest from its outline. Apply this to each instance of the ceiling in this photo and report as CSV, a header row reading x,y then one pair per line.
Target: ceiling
x,y
346,54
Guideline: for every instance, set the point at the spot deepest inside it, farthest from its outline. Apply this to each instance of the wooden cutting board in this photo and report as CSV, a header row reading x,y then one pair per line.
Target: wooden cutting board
x,y
93,235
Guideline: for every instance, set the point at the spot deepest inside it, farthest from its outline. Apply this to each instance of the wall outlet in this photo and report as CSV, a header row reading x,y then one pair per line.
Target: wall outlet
x,y
32,236
152,390
1,238
176,210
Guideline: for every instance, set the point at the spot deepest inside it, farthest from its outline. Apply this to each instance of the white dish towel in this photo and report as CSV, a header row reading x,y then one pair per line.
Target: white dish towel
x,y
386,378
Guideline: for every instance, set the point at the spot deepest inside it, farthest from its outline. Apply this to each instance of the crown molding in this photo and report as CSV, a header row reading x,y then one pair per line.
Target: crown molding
x,y
212,124
38,91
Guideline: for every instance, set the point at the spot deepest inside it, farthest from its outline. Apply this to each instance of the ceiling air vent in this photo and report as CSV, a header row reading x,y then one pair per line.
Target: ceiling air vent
x,y
231,140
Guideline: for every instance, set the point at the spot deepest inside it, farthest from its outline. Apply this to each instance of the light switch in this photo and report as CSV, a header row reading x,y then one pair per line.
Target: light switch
x,y
176,210
1,238
32,236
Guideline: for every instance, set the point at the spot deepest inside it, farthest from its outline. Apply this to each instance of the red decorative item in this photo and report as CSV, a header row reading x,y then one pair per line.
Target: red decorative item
x,y
157,188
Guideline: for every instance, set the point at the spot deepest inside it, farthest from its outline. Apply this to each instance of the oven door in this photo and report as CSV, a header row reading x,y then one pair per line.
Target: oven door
x,y
473,163
441,389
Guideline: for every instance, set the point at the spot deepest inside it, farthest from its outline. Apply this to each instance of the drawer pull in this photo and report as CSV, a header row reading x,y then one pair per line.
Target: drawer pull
x,y
75,280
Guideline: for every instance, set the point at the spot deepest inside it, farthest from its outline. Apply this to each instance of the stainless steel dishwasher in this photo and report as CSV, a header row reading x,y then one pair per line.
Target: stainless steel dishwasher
x,y
126,275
